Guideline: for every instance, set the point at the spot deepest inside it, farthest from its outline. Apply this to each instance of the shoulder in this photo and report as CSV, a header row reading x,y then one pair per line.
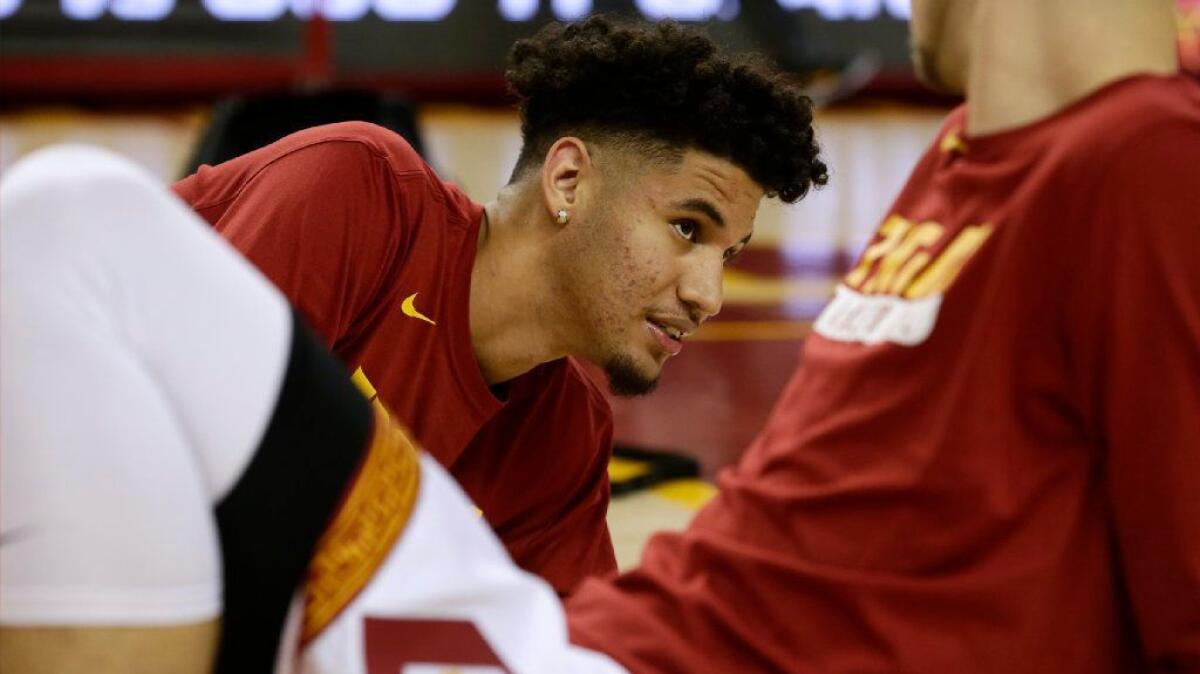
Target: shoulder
x,y
334,148
352,139
359,157
405,164
1145,101
1140,201
1135,117
1143,141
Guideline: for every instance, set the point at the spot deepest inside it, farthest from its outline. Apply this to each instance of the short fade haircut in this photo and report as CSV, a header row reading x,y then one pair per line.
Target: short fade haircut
x,y
664,88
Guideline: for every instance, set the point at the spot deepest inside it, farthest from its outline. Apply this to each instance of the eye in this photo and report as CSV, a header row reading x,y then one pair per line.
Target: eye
x,y
731,255
688,229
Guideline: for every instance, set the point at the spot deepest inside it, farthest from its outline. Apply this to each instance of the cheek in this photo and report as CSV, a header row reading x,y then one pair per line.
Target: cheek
x,y
644,261
627,264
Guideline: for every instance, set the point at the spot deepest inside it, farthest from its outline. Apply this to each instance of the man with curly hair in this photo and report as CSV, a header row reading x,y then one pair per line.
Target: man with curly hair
x,y
646,153
989,458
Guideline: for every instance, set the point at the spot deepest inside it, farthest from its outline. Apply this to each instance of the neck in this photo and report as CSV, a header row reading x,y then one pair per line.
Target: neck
x,y
1035,57
511,307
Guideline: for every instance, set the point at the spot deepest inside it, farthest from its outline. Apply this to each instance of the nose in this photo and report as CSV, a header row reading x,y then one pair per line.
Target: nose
x,y
702,286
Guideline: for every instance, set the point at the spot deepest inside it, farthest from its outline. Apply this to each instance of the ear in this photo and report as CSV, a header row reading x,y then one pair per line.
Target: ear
x,y
567,167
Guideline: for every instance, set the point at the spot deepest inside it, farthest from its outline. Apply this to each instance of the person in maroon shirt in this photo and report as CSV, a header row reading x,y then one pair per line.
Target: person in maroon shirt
x,y
989,458
646,153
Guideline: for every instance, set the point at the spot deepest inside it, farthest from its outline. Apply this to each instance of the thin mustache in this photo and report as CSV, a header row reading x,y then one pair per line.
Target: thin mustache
x,y
693,322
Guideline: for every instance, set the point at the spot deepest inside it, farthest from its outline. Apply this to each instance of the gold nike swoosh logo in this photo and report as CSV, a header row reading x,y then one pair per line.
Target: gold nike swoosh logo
x,y
410,310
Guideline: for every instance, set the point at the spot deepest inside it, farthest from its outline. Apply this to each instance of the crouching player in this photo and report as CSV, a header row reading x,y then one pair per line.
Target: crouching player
x,y
190,483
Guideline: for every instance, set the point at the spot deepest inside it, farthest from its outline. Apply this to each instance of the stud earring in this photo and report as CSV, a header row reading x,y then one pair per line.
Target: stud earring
x,y
563,216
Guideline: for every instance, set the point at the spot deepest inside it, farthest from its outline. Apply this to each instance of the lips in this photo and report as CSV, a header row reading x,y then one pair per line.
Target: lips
x,y
669,332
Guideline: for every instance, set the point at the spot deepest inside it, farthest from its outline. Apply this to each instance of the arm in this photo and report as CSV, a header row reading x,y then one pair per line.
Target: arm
x,y
1148,366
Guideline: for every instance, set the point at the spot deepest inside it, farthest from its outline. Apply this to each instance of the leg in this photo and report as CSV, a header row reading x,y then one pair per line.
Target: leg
x,y
129,404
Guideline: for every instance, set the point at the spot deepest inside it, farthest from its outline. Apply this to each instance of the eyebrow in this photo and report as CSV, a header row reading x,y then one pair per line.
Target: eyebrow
x,y
703,206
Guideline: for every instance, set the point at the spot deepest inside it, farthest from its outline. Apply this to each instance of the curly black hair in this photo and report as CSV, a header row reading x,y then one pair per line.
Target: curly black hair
x,y
666,85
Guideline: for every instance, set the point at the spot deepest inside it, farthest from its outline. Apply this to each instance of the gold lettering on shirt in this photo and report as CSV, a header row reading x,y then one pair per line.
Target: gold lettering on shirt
x,y
938,276
894,294
892,232
900,261
917,237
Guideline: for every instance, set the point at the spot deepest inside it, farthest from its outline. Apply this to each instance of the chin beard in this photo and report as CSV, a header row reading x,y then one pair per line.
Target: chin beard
x,y
625,380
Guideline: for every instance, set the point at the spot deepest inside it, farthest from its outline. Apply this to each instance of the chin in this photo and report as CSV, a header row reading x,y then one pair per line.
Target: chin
x,y
627,379
924,67
929,64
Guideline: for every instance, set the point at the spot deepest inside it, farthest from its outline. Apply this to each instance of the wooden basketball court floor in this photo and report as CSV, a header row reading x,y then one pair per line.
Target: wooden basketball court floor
x,y
714,396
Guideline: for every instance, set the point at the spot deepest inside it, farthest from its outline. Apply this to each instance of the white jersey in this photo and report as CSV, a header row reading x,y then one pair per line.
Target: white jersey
x,y
446,597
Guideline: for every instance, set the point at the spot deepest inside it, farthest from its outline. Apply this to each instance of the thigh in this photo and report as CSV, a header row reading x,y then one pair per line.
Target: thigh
x,y
104,513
